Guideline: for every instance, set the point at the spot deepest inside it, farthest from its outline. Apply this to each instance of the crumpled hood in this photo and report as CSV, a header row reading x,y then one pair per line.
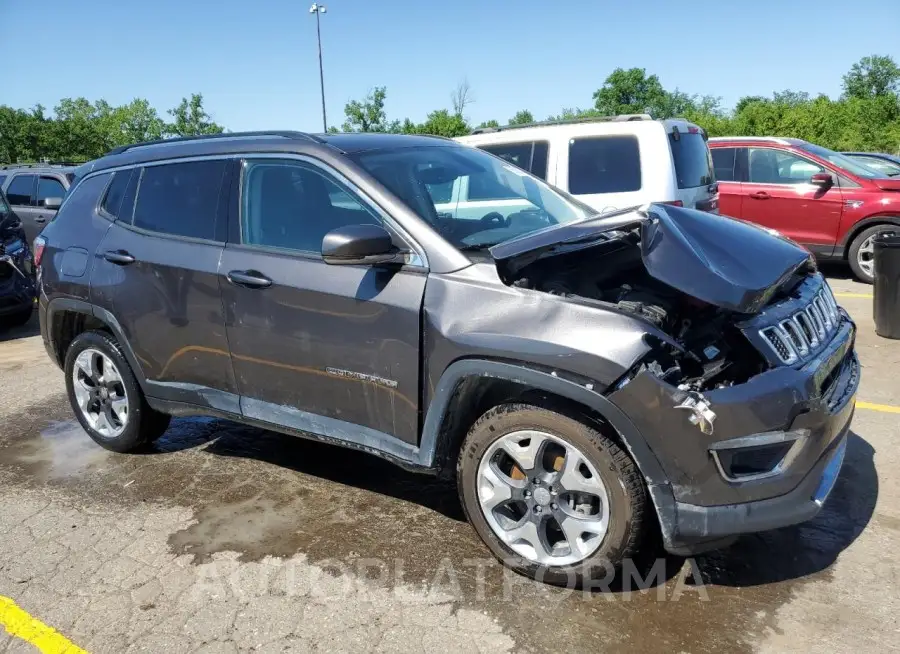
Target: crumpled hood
x,y
726,262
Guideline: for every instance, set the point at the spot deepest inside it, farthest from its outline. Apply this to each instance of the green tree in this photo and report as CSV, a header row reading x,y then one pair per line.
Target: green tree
x,y
444,123
488,124
191,119
522,118
632,91
872,76
367,115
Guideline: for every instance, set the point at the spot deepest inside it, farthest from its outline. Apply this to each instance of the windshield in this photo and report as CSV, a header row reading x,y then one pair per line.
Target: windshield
x,y
843,161
473,199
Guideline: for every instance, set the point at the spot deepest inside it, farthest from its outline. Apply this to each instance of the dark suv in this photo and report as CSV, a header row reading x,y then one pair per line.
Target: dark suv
x,y
583,378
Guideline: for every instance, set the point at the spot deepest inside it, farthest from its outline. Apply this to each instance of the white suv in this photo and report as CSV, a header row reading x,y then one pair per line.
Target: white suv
x,y
607,163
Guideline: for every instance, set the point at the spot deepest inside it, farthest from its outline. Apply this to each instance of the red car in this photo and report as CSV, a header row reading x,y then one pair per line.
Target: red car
x,y
819,198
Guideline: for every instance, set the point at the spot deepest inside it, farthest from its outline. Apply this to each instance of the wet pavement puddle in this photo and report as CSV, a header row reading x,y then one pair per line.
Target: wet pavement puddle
x,y
261,494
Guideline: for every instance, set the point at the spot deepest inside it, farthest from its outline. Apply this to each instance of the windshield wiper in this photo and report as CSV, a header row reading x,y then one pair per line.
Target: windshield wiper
x,y
475,246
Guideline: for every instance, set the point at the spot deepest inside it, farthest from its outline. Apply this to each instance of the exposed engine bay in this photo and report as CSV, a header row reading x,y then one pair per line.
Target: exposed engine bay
x,y
704,349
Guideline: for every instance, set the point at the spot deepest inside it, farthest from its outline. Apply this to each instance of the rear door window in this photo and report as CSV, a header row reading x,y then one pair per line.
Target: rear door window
x,y
693,163
180,199
605,164
21,191
724,164
528,155
49,187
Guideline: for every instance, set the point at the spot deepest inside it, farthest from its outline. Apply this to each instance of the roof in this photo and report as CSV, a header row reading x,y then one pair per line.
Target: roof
x,y
39,167
328,146
359,142
764,139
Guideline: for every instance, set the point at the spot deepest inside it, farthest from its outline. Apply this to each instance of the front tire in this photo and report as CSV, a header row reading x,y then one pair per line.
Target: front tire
x,y
106,397
861,255
552,498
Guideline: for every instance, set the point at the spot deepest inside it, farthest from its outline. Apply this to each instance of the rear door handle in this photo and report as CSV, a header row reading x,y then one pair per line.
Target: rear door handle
x,y
249,278
760,195
118,257
40,219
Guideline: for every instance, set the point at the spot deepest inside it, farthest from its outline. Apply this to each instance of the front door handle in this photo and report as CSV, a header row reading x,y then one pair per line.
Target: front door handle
x,y
118,257
760,195
249,278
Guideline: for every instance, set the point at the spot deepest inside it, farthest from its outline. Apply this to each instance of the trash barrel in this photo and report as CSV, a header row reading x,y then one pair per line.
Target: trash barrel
x,y
887,285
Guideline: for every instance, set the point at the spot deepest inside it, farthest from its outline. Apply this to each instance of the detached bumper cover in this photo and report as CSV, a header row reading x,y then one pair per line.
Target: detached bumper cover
x,y
696,504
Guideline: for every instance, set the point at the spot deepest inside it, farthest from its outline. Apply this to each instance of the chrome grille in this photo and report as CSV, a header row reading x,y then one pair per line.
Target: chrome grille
x,y
795,338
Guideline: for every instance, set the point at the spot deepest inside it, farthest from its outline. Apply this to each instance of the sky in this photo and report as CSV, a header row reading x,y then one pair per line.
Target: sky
x,y
255,61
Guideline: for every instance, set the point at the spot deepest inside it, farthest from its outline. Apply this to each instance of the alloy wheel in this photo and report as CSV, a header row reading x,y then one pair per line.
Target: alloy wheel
x,y
865,256
100,393
543,498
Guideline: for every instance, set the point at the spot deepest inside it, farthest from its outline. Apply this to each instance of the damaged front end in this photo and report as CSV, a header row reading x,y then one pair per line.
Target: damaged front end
x,y
747,388
677,270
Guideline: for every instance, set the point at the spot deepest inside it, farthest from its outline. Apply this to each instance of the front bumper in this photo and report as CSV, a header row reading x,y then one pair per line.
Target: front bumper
x,y
700,507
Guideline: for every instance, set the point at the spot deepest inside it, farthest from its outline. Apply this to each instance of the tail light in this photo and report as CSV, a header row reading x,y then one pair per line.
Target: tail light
x,y
674,203
39,244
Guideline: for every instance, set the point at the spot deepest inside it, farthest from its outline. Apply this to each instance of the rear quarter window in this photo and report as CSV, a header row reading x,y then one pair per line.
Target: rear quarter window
x,y
83,199
693,162
604,164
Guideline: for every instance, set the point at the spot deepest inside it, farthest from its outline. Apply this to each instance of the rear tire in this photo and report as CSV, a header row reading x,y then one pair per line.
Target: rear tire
x,y
860,256
570,549
106,397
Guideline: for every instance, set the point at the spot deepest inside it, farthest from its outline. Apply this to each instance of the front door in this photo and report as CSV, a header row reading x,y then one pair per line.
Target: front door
x,y
778,195
21,196
316,347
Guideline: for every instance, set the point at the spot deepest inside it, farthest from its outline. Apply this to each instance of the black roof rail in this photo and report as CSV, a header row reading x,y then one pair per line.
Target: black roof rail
x,y
287,134
569,121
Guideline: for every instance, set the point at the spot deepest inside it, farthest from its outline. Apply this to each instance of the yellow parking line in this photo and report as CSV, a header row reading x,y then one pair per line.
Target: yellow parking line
x,y
885,408
21,625
862,295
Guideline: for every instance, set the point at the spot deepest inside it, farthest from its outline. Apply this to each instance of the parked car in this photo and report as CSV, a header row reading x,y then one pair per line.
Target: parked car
x,y
607,163
821,199
888,164
35,192
589,381
17,290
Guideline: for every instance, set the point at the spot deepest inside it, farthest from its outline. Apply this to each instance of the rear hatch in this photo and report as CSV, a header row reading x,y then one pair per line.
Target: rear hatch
x,y
693,167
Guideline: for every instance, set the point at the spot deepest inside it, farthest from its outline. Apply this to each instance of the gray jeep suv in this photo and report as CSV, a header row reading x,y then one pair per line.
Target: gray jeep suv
x,y
589,381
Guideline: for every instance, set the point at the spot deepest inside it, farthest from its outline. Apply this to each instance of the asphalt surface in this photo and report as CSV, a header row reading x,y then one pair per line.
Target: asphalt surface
x,y
227,539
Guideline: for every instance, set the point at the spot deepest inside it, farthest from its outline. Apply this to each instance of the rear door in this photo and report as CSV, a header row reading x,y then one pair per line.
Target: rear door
x,y
158,269
21,197
317,347
693,170
727,168
778,195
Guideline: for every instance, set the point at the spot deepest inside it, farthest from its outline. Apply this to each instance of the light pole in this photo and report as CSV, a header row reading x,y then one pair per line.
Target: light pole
x,y
320,9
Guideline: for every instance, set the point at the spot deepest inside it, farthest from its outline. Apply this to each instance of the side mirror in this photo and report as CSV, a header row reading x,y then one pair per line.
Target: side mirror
x,y
358,244
52,203
822,180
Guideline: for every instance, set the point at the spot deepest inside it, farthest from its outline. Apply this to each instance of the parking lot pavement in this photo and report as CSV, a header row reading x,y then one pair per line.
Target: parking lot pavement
x,y
231,539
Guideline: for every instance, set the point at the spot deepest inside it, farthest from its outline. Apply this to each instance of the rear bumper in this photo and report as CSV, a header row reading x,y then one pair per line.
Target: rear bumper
x,y
699,506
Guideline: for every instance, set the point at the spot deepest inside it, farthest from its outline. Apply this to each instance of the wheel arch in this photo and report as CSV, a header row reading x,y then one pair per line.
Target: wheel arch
x,y
471,386
863,225
68,317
